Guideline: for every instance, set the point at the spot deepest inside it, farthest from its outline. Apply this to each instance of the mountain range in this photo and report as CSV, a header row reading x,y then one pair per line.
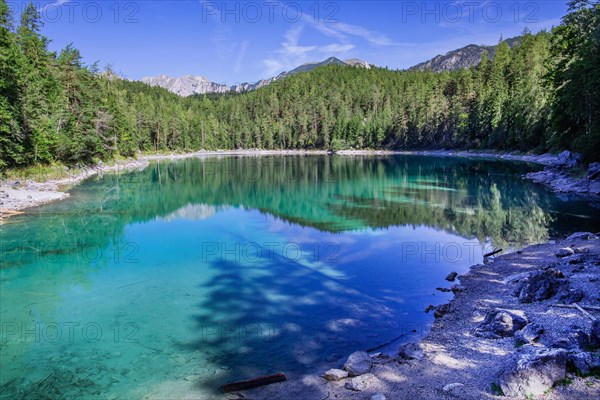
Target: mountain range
x,y
189,85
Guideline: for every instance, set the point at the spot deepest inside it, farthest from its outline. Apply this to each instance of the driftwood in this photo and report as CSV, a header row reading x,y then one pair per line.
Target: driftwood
x,y
580,308
252,383
492,253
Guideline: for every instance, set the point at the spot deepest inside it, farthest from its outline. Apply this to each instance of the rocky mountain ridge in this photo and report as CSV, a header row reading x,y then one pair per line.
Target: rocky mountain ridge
x,y
189,85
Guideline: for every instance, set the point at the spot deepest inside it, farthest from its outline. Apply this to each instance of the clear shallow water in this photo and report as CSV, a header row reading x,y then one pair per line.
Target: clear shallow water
x,y
186,275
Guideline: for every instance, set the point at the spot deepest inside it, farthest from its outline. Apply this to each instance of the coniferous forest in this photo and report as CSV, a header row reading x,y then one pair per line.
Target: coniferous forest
x,y
541,95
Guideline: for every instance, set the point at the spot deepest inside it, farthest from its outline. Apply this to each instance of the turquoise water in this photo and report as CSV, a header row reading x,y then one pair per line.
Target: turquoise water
x,y
168,282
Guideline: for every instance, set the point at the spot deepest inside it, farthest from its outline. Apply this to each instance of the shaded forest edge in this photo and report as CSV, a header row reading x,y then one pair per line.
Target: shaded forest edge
x,y
542,95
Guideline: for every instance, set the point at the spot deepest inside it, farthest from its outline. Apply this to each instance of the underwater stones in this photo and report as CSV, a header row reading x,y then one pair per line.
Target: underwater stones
x,y
335,375
501,323
534,373
358,363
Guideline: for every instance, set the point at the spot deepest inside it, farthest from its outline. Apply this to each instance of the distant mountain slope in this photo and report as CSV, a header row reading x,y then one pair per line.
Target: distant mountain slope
x,y
464,57
189,85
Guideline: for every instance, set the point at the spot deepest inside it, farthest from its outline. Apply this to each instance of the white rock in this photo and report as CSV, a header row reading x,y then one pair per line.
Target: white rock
x,y
335,375
455,388
378,396
360,383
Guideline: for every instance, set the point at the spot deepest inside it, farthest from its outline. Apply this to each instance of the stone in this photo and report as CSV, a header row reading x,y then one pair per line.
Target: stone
x,y
566,159
451,277
441,310
571,296
580,236
358,363
501,323
564,252
593,171
584,362
443,290
540,285
360,383
411,351
595,333
529,334
378,396
335,375
429,308
534,373
457,288
454,389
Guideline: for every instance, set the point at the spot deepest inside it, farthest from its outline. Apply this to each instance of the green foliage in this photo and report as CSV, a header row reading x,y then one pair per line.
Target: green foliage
x,y
542,94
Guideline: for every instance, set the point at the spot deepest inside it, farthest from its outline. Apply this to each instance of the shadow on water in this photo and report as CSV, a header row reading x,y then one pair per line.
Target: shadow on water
x,y
280,315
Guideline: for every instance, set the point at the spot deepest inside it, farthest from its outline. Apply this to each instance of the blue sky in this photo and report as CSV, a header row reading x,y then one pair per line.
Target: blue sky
x,y
247,40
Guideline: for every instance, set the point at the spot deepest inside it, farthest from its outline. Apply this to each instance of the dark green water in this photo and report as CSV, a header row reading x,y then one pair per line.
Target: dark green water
x,y
173,280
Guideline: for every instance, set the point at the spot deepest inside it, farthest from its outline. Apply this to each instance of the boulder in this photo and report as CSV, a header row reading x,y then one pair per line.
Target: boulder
x,y
457,288
593,171
429,308
360,383
540,285
501,323
529,334
454,389
566,159
595,334
580,235
378,396
584,362
358,363
335,375
534,373
411,351
564,252
451,277
571,296
441,310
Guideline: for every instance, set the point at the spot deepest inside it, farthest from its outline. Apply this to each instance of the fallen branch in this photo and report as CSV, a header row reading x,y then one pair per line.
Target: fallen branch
x,y
587,314
492,253
252,383
572,306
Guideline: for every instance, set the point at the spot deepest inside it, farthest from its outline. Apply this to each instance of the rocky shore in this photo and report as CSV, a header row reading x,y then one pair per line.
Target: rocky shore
x,y
560,173
523,325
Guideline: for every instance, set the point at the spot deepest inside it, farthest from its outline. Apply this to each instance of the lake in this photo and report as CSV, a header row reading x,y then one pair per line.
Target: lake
x,y
196,272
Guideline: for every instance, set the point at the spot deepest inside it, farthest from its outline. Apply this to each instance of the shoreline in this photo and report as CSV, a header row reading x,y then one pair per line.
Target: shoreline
x,y
467,354
16,196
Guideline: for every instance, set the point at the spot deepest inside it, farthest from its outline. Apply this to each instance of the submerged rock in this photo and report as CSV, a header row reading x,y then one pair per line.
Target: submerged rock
x,y
501,323
335,375
358,363
540,285
534,373
360,383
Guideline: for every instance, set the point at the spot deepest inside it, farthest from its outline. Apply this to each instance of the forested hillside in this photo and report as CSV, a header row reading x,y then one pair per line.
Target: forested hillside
x,y
543,94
